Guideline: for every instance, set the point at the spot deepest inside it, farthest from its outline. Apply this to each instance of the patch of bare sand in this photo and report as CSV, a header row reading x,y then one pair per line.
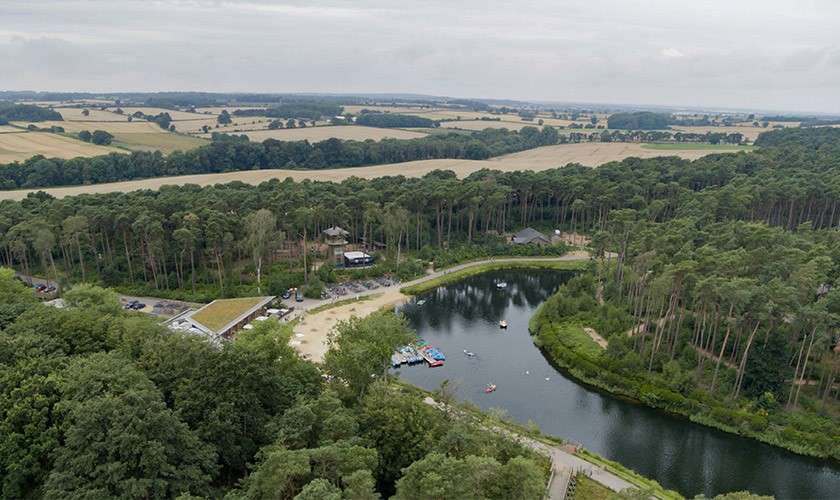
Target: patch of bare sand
x,y
601,341
310,334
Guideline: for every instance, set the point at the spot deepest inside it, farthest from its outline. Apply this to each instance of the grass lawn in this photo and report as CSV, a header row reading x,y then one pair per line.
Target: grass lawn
x,y
696,147
221,312
587,489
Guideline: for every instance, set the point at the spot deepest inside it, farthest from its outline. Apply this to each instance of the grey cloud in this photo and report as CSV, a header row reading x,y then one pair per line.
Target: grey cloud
x,y
714,53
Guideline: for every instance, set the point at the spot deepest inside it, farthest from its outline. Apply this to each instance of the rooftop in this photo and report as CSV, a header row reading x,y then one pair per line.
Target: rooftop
x,y
220,315
527,235
335,231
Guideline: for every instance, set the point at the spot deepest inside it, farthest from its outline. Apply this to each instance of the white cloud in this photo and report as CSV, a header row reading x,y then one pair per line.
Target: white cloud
x,y
671,53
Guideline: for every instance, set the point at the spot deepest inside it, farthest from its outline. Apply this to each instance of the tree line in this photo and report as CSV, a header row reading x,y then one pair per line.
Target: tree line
x,y
11,112
188,237
394,120
232,153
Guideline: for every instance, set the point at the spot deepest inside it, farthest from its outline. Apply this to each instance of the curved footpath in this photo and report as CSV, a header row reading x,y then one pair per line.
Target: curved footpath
x,y
311,330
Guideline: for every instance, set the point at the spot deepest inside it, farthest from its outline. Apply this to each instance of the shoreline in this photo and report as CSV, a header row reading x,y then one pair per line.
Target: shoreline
x,y
576,373
310,334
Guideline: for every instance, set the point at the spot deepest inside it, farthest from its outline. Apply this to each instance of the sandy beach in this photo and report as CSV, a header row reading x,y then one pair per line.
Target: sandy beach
x,y
312,331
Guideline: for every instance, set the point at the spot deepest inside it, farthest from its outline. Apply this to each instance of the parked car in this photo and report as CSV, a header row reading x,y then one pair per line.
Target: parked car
x,y
287,294
299,295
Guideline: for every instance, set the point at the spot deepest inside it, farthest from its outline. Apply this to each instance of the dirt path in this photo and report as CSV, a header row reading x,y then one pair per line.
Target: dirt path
x,y
564,464
601,341
311,332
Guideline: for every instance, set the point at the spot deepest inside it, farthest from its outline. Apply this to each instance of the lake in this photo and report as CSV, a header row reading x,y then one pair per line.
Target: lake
x,y
680,455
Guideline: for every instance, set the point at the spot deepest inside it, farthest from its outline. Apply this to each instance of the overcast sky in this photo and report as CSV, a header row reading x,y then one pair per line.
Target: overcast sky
x,y
757,54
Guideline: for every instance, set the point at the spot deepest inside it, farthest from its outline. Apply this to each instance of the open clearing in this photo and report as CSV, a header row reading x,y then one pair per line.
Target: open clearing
x,y
592,154
347,132
22,146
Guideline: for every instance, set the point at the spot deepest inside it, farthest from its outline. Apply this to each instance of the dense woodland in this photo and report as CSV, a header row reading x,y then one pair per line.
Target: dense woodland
x,y
183,237
394,120
99,403
638,120
10,112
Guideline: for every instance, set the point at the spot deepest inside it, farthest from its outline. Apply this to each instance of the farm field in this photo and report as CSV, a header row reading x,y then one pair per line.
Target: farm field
x,y
347,132
112,127
24,145
166,142
239,124
176,115
592,154
137,135
697,147
95,115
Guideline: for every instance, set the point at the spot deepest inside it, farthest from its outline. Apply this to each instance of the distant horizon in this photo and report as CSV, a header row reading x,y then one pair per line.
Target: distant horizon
x,y
415,95
712,54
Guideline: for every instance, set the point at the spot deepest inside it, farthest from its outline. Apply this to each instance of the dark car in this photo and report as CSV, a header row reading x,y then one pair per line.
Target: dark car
x,y
299,295
287,295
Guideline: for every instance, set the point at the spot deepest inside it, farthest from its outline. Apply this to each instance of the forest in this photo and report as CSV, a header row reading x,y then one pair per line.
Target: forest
x,y
638,120
394,120
10,112
730,261
96,402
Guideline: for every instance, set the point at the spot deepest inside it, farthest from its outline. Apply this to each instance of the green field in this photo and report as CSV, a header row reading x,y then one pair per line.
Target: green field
x,y
163,142
696,147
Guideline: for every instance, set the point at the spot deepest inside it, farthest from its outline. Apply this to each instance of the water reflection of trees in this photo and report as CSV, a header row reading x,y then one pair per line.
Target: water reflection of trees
x,y
687,457
477,298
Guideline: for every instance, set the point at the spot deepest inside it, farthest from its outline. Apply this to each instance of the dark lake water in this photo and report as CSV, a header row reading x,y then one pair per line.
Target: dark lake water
x,y
681,455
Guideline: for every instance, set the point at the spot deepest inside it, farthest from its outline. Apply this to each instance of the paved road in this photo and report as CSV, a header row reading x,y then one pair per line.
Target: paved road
x,y
564,464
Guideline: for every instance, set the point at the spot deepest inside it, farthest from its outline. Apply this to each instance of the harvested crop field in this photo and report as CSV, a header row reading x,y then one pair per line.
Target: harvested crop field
x,y
239,124
592,154
137,135
176,115
346,132
112,127
22,146
483,124
94,115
